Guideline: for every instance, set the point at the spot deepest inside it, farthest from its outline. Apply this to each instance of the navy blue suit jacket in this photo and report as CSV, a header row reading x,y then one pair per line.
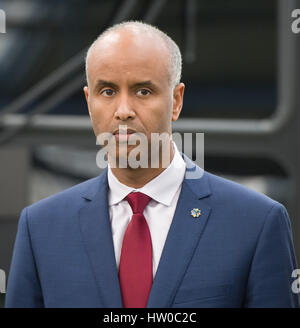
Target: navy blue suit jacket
x,y
237,253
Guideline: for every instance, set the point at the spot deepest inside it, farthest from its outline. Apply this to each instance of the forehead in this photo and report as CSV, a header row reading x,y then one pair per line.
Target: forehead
x,y
128,54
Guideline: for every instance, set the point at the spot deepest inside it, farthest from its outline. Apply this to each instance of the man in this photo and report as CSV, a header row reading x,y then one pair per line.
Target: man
x,y
149,236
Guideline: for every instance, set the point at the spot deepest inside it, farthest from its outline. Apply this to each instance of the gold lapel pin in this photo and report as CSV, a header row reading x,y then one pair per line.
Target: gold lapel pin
x,y
195,212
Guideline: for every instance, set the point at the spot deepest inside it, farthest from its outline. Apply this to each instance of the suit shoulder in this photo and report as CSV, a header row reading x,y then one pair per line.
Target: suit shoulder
x,y
236,193
243,206
67,197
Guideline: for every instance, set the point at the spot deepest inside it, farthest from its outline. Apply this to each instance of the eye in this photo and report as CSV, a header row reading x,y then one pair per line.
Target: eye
x,y
108,92
143,92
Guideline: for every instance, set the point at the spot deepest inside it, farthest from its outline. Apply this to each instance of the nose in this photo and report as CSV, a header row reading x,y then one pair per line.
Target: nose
x,y
124,110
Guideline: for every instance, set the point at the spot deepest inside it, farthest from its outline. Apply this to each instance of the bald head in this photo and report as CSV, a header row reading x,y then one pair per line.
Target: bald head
x,y
134,33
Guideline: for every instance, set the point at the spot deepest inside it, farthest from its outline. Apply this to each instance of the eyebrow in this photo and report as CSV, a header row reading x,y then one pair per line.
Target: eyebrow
x,y
148,83
102,83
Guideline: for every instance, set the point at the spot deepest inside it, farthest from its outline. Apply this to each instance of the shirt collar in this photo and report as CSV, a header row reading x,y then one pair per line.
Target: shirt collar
x,y
162,188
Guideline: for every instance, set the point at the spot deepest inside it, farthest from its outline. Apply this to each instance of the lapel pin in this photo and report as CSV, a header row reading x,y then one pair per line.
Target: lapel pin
x,y
195,212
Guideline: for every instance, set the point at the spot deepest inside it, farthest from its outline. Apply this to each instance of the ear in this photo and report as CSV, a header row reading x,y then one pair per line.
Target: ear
x,y
86,93
177,100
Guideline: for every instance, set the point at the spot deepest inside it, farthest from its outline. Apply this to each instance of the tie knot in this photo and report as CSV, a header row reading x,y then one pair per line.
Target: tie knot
x,y
137,201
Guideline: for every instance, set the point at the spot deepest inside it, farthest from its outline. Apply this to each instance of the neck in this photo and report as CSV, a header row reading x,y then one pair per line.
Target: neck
x,y
138,177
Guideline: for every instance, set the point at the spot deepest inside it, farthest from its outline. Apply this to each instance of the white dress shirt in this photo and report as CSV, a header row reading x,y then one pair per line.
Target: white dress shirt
x,y
164,190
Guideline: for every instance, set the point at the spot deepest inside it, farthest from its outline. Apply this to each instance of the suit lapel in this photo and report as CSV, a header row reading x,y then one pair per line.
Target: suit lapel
x,y
181,242
97,237
182,239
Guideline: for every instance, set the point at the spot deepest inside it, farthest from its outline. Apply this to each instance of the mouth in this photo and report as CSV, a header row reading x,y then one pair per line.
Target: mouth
x,y
124,132
123,135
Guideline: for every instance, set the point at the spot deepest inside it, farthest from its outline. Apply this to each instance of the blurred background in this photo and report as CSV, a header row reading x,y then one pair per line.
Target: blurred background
x,y
241,71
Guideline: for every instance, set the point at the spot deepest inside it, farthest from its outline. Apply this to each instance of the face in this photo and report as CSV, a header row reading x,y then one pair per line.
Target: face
x,y
129,85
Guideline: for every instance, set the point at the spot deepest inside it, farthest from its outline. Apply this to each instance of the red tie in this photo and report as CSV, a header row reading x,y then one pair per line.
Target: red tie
x,y
135,270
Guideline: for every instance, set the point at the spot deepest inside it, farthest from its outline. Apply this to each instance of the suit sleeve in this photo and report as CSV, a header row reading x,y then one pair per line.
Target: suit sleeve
x,y
23,286
270,277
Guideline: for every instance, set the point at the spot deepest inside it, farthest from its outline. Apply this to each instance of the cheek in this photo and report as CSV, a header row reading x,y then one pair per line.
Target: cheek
x,y
99,110
165,111
95,106
98,116
159,116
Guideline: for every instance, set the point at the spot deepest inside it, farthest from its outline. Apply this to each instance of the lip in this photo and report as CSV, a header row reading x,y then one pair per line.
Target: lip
x,y
124,132
121,137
